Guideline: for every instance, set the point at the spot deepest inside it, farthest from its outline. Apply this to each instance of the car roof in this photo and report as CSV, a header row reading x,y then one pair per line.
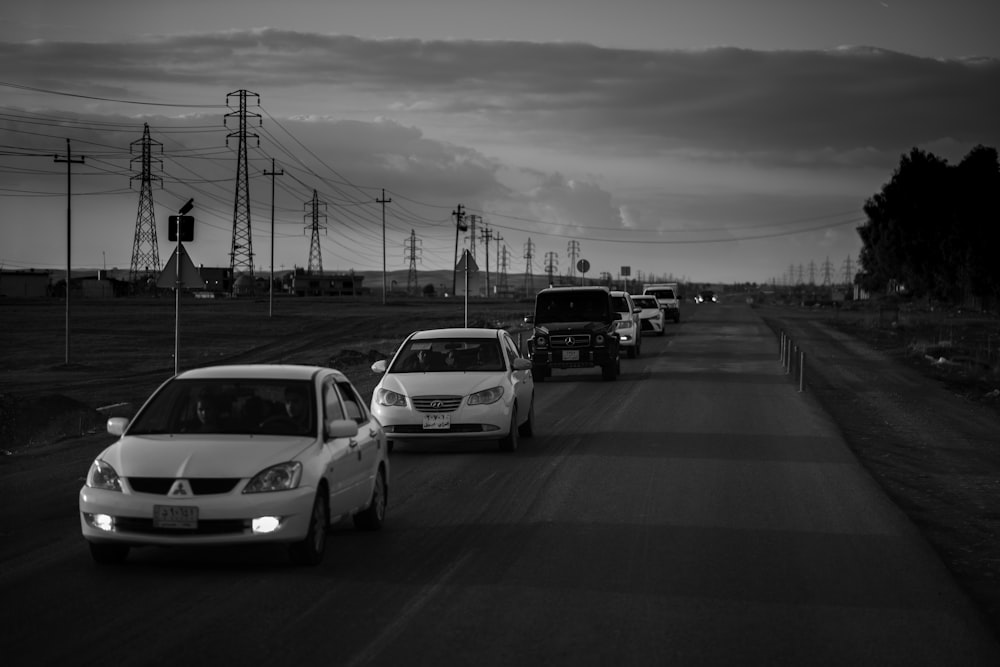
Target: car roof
x,y
580,288
620,293
257,372
455,332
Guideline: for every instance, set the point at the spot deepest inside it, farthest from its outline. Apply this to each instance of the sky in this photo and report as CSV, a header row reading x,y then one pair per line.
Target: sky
x,y
715,141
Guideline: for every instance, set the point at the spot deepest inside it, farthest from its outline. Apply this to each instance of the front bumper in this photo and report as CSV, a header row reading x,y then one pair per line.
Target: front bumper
x,y
224,519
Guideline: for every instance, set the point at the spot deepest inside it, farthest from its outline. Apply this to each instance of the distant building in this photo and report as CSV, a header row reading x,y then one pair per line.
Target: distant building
x,y
24,284
327,284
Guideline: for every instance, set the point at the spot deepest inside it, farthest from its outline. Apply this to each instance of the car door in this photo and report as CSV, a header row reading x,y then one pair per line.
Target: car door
x,y
365,448
340,466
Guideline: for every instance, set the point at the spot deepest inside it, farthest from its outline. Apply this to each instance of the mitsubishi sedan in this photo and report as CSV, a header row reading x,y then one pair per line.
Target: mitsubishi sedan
x,y
238,455
450,385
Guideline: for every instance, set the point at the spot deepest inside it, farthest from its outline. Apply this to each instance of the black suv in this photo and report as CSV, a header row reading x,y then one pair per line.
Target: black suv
x,y
574,328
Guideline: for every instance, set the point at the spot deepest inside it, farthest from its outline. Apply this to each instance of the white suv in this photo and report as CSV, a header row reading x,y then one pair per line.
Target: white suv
x,y
628,328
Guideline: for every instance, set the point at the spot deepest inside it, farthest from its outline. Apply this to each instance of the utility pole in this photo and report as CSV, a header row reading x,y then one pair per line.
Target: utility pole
x,y
486,236
241,254
383,201
460,226
70,161
501,283
270,288
529,281
145,252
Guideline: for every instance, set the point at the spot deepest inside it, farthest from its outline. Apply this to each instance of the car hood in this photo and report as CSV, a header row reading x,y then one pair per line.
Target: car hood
x,y
457,383
194,456
557,327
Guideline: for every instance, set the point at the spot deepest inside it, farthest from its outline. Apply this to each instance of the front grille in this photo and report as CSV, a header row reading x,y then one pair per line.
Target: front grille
x,y
569,341
436,403
203,486
125,524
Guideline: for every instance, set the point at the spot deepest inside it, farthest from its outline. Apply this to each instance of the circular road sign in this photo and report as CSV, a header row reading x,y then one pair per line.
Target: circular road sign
x,y
583,266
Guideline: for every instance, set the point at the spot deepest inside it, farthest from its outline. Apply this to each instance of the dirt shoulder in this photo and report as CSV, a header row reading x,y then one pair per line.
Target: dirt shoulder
x,y
930,438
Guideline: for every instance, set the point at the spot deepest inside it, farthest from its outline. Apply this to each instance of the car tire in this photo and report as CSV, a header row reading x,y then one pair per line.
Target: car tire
x,y
108,554
527,429
310,550
539,374
509,442
610,370
632,352
373,516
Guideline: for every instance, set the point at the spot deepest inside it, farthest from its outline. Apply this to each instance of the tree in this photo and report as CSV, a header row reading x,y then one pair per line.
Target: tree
x,y
933,228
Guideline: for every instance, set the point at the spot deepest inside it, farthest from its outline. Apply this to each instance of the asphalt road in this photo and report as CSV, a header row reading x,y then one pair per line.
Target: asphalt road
x,y
700,510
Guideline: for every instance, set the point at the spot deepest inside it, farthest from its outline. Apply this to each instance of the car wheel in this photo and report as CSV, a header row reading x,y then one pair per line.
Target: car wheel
x,y
539,374
632,351
373,516
610,370
108,554
527,429
509,442
310,550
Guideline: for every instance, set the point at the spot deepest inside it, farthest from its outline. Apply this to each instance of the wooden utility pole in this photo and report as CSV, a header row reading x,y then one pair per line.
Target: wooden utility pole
x,y
70,161
383,201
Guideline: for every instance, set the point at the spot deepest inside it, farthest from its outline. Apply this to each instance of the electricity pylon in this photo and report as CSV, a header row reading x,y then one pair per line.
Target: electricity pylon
x,y
241,254
145,251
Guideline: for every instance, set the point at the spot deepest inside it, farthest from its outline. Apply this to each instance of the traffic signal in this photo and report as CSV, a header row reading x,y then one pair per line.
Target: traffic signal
x,y
181,226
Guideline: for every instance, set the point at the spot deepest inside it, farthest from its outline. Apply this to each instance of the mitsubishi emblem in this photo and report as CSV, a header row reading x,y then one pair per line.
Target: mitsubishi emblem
x,y
437,405
180,488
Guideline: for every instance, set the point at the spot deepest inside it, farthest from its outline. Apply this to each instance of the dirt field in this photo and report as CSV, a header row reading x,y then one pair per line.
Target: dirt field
x,y
918,403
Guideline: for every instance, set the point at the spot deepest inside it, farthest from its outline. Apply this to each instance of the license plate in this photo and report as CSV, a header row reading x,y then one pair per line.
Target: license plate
x,y
182,517
437,421
571,355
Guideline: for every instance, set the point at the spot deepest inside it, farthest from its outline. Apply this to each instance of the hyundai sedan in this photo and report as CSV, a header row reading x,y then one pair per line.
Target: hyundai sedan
x,y
448,385
238,455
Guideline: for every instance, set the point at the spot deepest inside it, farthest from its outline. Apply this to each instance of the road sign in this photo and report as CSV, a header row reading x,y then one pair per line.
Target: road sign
x,y
626,271
471,263
190,276
181,227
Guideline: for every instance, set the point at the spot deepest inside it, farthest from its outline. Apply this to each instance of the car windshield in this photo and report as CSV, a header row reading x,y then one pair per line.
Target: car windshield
x,y
437,355
645,302
662,293
620,304
244,406
590,306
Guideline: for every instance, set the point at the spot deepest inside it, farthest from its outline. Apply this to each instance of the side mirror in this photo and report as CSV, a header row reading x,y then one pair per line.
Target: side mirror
x,y
522,364
341,428
117,425
380,366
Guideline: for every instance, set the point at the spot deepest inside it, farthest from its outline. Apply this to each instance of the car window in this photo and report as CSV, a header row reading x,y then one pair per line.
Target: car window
x,y
620,304
448,355
353,406
571,306
332,408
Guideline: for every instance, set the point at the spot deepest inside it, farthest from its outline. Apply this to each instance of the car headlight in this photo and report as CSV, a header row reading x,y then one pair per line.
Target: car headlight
x,y
486,396
623,324
599,340
281,477
103,476
541,341
390,398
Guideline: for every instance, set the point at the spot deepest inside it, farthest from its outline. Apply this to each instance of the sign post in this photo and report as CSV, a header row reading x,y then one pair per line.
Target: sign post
x,y
181,228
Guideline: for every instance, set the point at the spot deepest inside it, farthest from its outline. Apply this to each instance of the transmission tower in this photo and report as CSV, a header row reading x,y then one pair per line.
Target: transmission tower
x,y
573,250
410,254
145,252
551,264
827,272
848,271
529,283
315,257
501,264
241,254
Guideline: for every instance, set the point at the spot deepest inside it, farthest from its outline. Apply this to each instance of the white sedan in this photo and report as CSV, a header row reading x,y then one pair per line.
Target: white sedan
x,y
651,317
243,454
462,384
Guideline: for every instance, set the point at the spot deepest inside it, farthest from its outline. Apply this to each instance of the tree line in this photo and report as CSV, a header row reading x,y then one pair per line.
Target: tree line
x,y
933,231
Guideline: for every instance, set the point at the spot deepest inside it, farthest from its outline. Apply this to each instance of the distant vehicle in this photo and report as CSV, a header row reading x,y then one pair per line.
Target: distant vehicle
x,y
628,328
456,385
238,455
667,295
574,327
706,296
651,317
